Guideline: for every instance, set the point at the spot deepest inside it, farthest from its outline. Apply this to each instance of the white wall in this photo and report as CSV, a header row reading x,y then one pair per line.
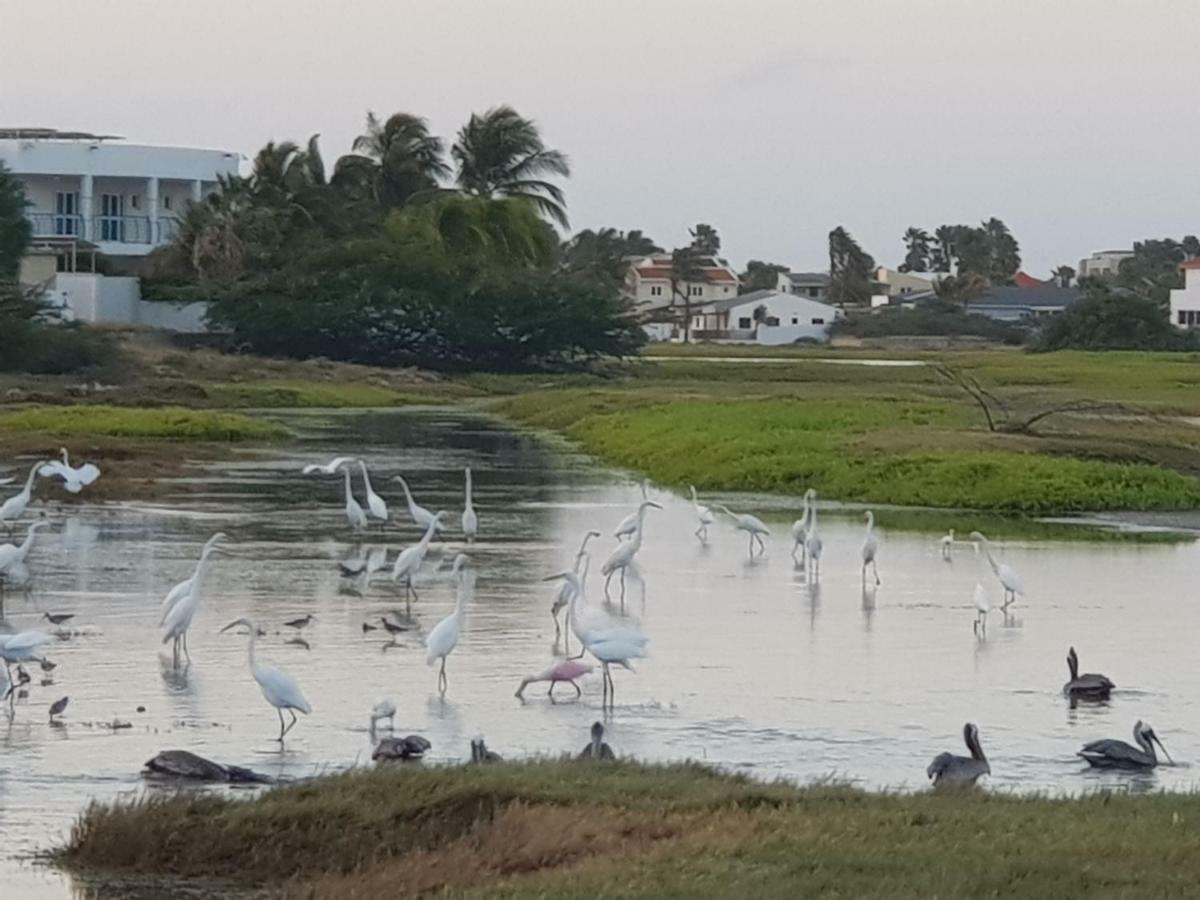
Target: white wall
x,y
1186,301
114,158
799,317
116,300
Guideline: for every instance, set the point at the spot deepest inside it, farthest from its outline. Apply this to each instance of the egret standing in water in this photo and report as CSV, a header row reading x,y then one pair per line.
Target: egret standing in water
x,y
14,507
354,511
177,618
444,637
74,479
1114,754
629,524
621,558
752,525
870,549
983,606
800,530
420,515
704,516
947,544
1005,573
12,560
948,770
410,559
376,505
563,597
279,688
470,521
22,647
329,468
813,546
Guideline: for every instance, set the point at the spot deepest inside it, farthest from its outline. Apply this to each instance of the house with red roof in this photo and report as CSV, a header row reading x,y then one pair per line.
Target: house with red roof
x,y
1022,280
1185,301
648,283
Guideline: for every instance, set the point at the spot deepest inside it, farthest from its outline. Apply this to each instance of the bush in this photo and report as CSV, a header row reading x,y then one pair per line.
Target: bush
x,y
933,318
29,344
1114,320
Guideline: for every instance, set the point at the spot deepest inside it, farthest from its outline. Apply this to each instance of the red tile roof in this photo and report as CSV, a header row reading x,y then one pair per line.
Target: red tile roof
x,y
712,273
1193,263
1022,280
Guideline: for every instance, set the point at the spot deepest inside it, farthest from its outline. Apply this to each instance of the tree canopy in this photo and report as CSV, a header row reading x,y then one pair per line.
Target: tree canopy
x,y
15,230
851,270
1112,318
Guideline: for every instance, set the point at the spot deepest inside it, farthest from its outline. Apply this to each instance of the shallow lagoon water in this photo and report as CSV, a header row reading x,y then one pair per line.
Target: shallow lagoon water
x,y
750,667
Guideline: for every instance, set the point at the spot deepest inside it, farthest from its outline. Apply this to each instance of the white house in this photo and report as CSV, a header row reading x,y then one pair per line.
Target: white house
x,y
1185,302
648,283
894,283
1103,263
814,285
767,317
122,199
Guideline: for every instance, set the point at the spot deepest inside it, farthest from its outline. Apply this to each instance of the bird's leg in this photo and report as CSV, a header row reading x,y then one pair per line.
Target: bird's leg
x,y
279,712
550,693
607,579
578,692
557,629
622,589
750,545
291,723
875,570
442,683
185,647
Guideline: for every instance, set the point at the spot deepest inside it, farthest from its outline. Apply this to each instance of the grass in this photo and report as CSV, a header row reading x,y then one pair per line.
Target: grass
x,y
292,394
567,829
165,423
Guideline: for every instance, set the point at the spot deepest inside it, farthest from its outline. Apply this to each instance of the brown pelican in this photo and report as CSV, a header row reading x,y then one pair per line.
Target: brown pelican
x,y
1114,754
597,749
481,754
403,748
948,770
1088,686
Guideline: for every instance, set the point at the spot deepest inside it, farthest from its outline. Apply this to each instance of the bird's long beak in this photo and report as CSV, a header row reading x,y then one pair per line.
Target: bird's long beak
x,y
556,577
1164,750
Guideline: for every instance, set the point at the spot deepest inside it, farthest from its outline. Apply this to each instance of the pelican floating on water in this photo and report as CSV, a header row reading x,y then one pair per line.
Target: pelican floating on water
x,y
1088,686
597,748
1114,754
948,770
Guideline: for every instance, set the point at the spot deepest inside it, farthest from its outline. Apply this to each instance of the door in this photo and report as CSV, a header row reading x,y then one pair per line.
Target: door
x,y
112,217
66,204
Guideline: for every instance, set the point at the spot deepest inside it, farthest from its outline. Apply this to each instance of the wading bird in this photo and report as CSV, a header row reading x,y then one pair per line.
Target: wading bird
x,y
58,618
470,521
813,547
629,524
58,707
22,647
563,597
704,516
410,559
948,770
13,555
423,517
1005,573
390,627
279,688
983,606
615,649
301,623
1089,686
870,549
177,618
752,525
330,468
480,754
444,637
1114,754
74,479
384,709
800,529
621,558
177,593
14,507
563,670
597,748
354,511
947,544
375,504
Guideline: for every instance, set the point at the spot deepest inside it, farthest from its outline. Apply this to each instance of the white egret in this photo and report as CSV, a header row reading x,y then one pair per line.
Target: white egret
x,y
22,647
13,554
74,479
420,515
870,549
7,480
470,521
563,597
410,559
14,507
330,468
983,606
812,540
177,618
1005,573
279,688
177,593
616,649
620,559
800,529
444,637
947,544
590,623
704,516
375,504
752,525
384,709
629,524
354,511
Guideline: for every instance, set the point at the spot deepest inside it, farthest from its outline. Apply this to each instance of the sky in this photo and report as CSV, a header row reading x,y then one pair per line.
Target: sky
x,y
774,120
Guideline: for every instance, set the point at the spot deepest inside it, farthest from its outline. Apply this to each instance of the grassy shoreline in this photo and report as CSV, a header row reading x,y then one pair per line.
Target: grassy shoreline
x,y
575,829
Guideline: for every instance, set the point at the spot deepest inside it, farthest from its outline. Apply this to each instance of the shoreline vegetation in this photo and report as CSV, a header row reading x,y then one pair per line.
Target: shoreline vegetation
x,y
582,829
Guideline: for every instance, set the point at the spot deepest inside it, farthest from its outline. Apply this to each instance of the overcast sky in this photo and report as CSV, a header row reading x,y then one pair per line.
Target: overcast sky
x,y
774,120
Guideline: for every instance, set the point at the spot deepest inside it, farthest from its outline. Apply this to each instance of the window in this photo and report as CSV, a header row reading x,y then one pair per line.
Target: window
x,y
112,217
167,201
1182,317
725,290
133,201
814,292
745,323
656,290
818,321
696,290
772,321
66,220
795,320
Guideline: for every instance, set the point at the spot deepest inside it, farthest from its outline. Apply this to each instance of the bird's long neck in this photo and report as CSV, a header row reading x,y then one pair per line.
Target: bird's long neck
x,y
29,480
250,646
408,496
975,747
1073,665
27,543
366,478
349,496
468,488
804,512
66,459
637,532
870,523
812,518
428,535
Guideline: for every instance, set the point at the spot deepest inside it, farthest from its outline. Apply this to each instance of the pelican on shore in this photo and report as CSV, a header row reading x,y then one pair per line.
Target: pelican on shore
x,y
1113,754
948,770
1088,686
597,748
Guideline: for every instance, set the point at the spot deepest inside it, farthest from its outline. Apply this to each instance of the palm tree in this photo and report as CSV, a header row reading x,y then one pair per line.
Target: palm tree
x,y
944,253
505,229
1063,276
917,240
638,243
685,272
393,161
500,153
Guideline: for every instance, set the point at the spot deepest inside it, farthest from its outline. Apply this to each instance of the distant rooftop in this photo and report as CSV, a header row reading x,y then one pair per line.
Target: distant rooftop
x,y
53,134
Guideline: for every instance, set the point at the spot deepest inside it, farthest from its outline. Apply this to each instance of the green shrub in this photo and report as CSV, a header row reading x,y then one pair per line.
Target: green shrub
x,y
169,423
934,317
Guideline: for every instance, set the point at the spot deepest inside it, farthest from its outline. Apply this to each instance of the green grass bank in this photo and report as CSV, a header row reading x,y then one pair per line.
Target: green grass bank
x,y
568,829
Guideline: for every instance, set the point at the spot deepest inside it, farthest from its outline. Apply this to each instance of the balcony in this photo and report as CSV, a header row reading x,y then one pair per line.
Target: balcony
x,y
140,230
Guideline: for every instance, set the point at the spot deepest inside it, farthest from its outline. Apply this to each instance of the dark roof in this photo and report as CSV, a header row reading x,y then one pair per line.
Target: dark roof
x,y
1046,296
54,134
819,278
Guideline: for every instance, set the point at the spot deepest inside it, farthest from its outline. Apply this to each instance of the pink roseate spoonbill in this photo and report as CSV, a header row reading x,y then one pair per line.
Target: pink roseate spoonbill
x,y
74,479
704,516
563,670
420,515
870,549
1005,573
444,637
470,520
619,559
329,468
629,524
278,688
563,597
14,507
376,505
410,559
754,527
800,530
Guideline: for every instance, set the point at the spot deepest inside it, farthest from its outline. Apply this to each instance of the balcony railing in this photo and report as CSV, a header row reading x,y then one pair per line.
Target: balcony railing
x,y
105,229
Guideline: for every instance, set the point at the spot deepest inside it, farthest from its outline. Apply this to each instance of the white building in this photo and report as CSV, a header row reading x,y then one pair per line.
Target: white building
x,y
814,285
1185,302
648,283
99,193
1103,263
767,317
894,283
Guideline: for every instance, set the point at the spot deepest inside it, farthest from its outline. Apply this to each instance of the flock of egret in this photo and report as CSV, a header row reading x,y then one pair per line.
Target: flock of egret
x,y
609,637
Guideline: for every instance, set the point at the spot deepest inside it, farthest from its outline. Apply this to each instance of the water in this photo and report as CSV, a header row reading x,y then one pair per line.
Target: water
x,y
750,667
